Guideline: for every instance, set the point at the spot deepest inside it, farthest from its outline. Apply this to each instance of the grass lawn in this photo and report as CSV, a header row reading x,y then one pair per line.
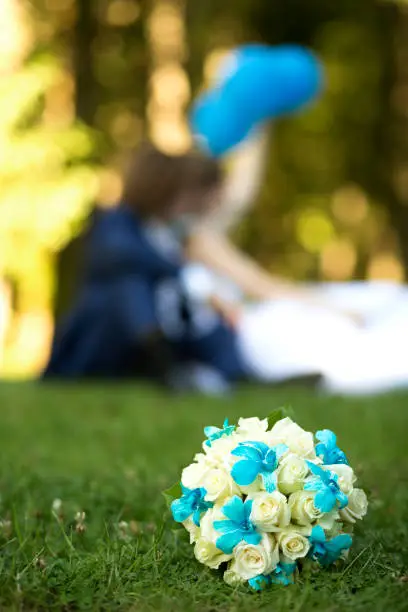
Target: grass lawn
x,y
109,451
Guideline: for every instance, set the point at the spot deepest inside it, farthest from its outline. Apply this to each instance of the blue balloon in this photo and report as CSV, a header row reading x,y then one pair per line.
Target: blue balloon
x,y
236,58
217,125
268,85
256,84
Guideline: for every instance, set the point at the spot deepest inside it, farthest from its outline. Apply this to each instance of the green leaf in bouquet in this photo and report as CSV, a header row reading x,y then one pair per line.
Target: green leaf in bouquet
x,y
278,415
172,493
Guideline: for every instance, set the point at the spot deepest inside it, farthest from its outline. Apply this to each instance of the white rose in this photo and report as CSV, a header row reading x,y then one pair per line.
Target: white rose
x,y
217,482
206,550
252,429
219,453
332,530
302,508
329,522
293,544
297,439
208,554
192,529
207,524
356,508
255,487
292,473
252,560
201,458
270,511
193,475
232,578
347,478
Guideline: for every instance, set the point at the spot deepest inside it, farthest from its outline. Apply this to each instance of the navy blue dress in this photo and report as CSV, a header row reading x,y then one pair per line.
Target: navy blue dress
x,y
130,288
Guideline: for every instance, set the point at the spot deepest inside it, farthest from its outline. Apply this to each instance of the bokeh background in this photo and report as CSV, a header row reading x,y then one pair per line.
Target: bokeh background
x,y
83,81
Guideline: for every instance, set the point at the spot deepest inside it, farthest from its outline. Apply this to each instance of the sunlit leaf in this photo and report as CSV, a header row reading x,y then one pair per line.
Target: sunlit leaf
x,y
172,493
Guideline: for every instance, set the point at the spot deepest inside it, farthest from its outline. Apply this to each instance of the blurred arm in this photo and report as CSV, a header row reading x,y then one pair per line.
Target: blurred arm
x,y
209,245
242,182
215,251
219,254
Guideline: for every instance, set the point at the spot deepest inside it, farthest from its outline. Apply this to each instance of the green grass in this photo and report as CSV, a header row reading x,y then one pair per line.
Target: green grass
x,y
110,451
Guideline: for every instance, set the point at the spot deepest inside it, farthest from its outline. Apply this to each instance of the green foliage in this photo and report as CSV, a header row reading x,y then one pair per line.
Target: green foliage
x,y
98,451
47,182
278,415
172,493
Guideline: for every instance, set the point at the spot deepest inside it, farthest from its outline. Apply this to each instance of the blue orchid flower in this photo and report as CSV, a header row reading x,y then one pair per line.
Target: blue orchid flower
x,y
237,527
257,459
260,583
328,493
192,503
283,574
326,551
328,450
215,433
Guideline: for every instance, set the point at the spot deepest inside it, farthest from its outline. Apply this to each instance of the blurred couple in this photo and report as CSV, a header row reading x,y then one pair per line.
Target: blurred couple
x,y
166,296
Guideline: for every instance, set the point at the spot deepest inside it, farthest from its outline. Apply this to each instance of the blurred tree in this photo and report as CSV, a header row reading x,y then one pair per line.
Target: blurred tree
x,y
213,26
392,164
107,47
85,33
47,184
86,99
324,162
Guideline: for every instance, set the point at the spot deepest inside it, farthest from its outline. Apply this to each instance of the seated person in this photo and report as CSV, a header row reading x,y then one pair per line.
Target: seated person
x,y
132,316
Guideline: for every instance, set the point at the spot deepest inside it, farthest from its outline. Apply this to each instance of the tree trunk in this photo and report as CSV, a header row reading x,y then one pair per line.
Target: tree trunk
x,y
393,158
84,33
68,264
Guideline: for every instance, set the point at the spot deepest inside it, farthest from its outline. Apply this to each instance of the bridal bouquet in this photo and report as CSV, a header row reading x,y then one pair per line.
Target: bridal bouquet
x,y
266,497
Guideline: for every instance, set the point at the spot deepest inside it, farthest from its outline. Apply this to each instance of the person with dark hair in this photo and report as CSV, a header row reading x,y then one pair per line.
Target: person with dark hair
x,y
133,317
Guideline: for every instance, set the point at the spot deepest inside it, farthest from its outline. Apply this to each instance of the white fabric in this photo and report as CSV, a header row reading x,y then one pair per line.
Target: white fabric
x,y
285,338
200,285
197,282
